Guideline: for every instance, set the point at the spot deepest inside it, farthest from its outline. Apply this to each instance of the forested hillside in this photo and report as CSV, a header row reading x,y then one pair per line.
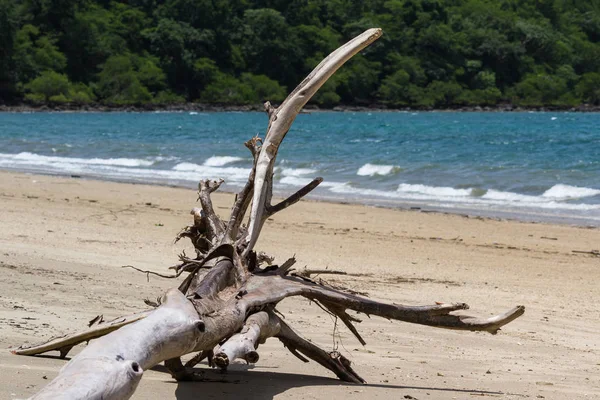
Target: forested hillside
x,y
433,53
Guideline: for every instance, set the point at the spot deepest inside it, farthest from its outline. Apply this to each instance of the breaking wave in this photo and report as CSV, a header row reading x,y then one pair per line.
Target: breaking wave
x,y
36,159
219,161
373,169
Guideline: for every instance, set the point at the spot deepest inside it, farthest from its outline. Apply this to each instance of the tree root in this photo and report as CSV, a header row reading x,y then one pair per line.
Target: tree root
x,y
333,360
257,328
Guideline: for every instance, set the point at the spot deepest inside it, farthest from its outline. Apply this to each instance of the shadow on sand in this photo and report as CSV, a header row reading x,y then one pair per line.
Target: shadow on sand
x,y
241,383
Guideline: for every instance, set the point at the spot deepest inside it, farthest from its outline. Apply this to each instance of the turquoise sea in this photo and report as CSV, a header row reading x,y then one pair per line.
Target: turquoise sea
x,y
532,165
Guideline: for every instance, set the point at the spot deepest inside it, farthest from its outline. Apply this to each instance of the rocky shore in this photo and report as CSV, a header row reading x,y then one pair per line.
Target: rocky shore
x,y
199,107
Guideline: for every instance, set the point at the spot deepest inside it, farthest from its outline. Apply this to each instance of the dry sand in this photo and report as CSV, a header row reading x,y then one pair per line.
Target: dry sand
x,y
63,242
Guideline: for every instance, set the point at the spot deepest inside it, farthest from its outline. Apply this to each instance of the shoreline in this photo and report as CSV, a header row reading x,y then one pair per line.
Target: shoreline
x,y
200,107
403,206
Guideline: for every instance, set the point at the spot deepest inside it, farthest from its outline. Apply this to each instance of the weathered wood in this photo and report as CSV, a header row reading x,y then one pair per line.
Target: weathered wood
x,y
274,288
68,341
257,328
281,120
112,366
333,360
214,224
229,310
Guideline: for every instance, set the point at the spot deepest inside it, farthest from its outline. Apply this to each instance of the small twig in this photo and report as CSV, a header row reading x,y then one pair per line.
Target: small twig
x,y
592,252
285,267
153,304
306,273
98,319
153,273
199,357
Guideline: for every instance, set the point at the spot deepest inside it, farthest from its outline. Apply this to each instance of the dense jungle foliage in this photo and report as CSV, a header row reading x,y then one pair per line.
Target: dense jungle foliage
x,y
433,53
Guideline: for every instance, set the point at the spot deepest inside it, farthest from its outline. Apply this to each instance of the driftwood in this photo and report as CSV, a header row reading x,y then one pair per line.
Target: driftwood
x,y
225,306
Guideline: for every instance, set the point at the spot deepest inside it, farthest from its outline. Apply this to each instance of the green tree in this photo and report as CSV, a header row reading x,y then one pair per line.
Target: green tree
x,y
49,85
264,88
35,53
80,93
119,83
268,46
226,89
9,22
588,88
539,89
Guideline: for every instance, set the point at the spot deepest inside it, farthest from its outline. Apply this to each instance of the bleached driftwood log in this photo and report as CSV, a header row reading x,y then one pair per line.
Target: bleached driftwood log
x,y
226,304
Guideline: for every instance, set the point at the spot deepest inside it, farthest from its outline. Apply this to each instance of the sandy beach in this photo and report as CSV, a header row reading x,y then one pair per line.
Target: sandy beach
x,y
64,240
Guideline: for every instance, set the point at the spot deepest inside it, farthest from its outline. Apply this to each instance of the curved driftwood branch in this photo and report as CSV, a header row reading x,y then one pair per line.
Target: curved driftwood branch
x,y
274,288
65,343
281,119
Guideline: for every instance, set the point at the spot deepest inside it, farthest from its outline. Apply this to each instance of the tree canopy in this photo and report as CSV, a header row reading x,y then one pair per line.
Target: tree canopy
x,y
433,53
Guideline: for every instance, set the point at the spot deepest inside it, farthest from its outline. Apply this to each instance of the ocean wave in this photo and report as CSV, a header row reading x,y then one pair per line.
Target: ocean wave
x,y
294,181
434,190
303,181
511,197
368,140
565,192
452,197
373,169
209,172
297,172
122,168
219,161
36,159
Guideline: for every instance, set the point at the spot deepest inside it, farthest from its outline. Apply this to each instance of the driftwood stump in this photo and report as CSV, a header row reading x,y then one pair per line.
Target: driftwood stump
x,y
226,305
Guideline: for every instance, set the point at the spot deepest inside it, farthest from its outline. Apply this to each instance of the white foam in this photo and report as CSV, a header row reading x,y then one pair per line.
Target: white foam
x,y
294,181
303,181
368,140
451,197
565,192
186,166
346,188
219,161
434,191
122,168
234,174
373,169
36,159
511,197
297,172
